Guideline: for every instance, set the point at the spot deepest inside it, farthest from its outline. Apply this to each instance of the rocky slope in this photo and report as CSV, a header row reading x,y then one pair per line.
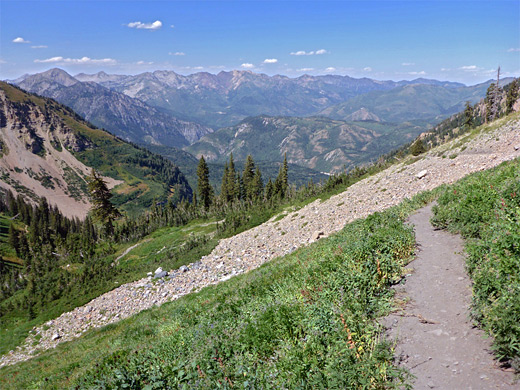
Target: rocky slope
x,y
248,250
47,151
124,116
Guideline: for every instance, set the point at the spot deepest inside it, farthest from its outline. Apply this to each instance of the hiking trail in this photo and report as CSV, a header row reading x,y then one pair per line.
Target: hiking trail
x,y
435,337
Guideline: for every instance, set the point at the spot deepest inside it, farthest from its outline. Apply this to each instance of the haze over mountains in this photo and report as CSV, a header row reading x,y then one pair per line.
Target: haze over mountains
x,y
321,122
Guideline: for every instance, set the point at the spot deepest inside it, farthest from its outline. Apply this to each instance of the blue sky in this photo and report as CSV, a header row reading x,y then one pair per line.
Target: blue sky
x,y
450,40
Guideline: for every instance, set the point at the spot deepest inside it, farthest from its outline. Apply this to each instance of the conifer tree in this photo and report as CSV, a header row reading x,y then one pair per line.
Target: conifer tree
x,y
231,181
417,147
102,208
269,190
203,186
248,178
281,184
223,187
512,96
468,115
257,185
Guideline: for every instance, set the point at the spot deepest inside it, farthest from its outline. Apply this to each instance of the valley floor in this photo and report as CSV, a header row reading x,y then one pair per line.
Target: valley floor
x,y
248,250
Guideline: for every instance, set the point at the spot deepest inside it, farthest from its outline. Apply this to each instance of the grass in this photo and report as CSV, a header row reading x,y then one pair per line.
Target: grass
x,y
306,320
485,209
182,245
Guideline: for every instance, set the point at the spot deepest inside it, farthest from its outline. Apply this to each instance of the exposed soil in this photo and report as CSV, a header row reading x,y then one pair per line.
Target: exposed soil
x,y
435,337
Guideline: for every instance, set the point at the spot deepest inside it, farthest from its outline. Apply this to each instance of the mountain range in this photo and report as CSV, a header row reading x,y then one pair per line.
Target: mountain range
x,y
124,116
323,123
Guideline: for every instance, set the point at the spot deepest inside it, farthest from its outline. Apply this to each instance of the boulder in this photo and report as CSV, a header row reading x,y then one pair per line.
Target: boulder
x,y
317,235
160,275
158,270
421,174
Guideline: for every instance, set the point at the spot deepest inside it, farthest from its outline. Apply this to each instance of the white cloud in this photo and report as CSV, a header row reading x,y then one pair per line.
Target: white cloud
x,y
247,65
469,67
146,26
2,61
408,63
198,67
305,70
367,69
330,69
172,25
513,49
20,40
270,61
177,53
144,63
77,61
308,53
445,69
421,73
39,47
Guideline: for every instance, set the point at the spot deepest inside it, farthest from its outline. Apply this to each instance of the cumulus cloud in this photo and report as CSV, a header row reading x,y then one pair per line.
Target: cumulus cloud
x,y
144,63
330,69
146,26
408,63
421,73
367,69
20,40
513,49
305,70
177,53
270,61
77,61
247,65
39,47
445,69
469,67
309,53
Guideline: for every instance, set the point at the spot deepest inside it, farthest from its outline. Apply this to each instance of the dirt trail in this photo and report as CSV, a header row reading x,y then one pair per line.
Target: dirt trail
x,y
436,340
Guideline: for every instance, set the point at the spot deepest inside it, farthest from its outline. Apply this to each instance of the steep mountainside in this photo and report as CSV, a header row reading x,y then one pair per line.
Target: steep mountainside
x,y
228,97
316,142
124,116
415,101
47,150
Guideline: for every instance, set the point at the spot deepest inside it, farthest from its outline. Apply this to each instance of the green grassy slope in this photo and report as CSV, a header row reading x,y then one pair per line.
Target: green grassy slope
x,y
307,320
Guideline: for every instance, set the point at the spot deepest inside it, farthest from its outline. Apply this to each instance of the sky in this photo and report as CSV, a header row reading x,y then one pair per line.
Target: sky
x,y
462,41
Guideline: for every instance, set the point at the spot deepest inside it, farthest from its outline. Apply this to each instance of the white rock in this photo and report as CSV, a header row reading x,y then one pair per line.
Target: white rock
x,y
158,270
421,174
55,336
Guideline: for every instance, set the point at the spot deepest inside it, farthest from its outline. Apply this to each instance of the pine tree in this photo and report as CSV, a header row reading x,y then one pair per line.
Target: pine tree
x,y
248,178
203,186
257,185
512,96
223,187
231,181
269,190
102,208
417,147
281,184
468,116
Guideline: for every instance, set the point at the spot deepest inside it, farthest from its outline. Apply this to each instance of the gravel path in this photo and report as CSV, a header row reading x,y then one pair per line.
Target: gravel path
x,y
435,338
254,247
